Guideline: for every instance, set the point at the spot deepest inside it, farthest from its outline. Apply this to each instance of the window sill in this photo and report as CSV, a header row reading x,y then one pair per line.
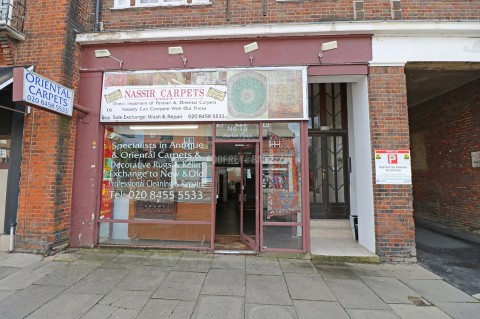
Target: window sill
x,y
166,5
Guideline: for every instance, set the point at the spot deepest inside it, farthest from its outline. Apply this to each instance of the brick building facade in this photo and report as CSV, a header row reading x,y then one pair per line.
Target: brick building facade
x,y
379,46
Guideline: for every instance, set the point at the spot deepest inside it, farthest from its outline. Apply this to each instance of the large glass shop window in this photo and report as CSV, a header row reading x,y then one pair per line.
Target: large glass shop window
x,y
282,185
157,180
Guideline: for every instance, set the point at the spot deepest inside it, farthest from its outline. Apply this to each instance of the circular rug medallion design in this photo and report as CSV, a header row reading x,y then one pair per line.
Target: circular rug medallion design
x,y
247,94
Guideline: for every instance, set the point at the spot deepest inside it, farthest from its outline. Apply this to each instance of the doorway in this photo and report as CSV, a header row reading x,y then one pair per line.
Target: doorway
x,y
236,211
328,151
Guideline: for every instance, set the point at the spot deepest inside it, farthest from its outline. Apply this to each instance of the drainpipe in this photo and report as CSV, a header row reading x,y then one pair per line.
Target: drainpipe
x,y
12,237
96,26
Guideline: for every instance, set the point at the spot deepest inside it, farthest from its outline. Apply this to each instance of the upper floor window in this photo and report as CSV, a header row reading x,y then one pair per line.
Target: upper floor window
x,y
147,3
121,3
158,2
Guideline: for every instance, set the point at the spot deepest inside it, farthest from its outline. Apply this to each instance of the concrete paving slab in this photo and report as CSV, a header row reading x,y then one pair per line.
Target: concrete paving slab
x,y
262,266
297,266
123,261
312,309
163,309
437,291
219,307
193,263
161,260
4,255
95,257
355,294
127,299
308,287
335,271
181,286
110,312
7,271
144,278
19,260
66,276
100,281
371,314
186,277
28,275
253,311
401,271
66,307
390,290
414,312
5,293
270,290
229,262
226,282
461,310
22,303
178,291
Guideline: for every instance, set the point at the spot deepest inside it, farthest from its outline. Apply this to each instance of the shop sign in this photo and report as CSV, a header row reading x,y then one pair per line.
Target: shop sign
x,y
475,159
205,95
33,89
393,167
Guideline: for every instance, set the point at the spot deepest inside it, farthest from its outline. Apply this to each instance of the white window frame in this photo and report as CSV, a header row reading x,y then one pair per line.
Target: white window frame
x,y
274,143
3,7
188,143
160,3
121,4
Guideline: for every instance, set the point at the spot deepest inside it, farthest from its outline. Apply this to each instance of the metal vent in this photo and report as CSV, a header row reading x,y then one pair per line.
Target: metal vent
x,y
396,8
358,10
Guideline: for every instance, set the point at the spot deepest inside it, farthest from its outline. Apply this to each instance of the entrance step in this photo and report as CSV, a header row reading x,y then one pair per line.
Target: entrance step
x,y
331,228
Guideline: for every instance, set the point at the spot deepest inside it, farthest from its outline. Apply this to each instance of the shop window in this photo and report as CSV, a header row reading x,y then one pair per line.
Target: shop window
x,y
282,196
154,181
4,151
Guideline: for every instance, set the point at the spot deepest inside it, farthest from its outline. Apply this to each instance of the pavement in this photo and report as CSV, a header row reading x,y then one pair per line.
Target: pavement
x,y
157,284
456,260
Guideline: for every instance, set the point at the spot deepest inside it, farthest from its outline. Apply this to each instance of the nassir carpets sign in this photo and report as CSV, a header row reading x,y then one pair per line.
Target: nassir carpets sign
x,y
251,94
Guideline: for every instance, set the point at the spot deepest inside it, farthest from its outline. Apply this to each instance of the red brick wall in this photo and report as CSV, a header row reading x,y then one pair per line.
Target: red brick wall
x,y
394,225
49,139
251,12
446,189
8,48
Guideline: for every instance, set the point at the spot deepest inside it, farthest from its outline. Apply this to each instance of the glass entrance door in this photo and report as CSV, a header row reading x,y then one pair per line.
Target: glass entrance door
x,y
248,196
328,176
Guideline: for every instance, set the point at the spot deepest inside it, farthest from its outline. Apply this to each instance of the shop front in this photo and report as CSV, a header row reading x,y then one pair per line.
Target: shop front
x,y
212,156
204,159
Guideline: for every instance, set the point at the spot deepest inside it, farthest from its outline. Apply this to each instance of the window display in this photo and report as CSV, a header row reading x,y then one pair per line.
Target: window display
x,y
157,174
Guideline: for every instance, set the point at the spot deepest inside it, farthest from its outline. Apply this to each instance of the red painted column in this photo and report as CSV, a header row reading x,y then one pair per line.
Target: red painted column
x,y
394,225
88,164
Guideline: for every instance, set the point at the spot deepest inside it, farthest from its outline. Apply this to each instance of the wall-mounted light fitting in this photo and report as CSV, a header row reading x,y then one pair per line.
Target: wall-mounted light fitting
x,y
106,54
178,51
327,46
249,48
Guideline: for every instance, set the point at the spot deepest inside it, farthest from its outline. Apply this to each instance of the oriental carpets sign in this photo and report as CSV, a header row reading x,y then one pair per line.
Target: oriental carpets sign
x,y
205,95
36,90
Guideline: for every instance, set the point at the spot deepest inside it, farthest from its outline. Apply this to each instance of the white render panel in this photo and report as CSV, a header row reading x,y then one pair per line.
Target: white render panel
x,y
376,28
360,152
393,50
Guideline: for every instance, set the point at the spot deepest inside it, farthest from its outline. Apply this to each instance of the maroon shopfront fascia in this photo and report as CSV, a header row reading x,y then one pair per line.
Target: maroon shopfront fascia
x,y
150,171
